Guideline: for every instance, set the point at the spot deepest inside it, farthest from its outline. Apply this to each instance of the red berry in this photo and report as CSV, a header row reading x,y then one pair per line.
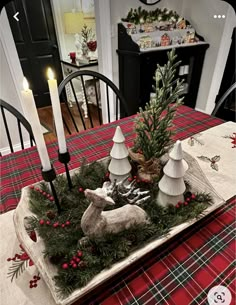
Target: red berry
x,y
193,196
188,199
9,259
107,174
64,266
74,266
138,180
185,203
72,262
51,198
37,189
31,286
38,278
177,206
81,189
35,285
32,187
130,179
35,277
63,225
56,224
48,222
48,195
135,177
67,222
41,222
79,253
41,191
44,193
77,260
179,202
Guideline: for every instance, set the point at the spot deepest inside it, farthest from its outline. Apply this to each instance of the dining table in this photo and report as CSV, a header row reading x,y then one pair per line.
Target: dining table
x,y
180,272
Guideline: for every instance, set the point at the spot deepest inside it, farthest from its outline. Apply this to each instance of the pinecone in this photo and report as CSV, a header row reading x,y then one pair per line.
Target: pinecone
x,y
51,215
56,259
82,264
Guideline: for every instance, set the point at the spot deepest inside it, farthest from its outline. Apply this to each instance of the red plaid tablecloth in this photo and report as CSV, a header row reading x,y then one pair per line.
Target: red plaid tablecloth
x,y
182,271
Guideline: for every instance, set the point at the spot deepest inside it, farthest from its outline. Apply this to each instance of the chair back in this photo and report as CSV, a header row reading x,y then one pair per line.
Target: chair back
x,y
91,99
223,100
8,111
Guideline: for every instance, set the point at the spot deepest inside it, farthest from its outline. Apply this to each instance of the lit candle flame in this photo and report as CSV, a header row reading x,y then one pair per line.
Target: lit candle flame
x,y
50,74
25,84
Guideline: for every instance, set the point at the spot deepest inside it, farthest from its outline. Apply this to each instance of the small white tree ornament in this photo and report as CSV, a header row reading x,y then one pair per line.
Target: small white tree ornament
x,y
119,166
171,185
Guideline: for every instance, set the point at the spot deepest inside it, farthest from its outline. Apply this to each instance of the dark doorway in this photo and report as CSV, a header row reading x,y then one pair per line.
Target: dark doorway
x,y
36,43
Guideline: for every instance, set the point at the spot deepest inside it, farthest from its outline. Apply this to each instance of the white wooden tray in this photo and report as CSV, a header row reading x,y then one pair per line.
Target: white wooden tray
x,y
198,182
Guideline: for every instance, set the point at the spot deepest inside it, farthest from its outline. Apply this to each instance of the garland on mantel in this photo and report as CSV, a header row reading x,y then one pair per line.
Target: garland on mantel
x,y
140,16
77,264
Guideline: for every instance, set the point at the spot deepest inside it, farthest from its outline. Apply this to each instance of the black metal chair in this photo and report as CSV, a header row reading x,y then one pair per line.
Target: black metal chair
x,y
9,111
86,88
224,99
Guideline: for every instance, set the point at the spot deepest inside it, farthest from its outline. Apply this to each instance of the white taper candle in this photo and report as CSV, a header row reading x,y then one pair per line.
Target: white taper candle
x,y
31,114
56,107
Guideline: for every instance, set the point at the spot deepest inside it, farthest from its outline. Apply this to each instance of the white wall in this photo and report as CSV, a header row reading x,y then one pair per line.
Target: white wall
x,y
217,33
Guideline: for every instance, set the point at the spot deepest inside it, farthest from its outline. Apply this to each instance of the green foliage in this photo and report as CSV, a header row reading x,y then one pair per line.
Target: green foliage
x,y
139,16
61,242
153,125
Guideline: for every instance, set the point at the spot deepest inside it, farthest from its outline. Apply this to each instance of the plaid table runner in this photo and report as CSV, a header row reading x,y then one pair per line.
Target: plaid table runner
x,y
23,168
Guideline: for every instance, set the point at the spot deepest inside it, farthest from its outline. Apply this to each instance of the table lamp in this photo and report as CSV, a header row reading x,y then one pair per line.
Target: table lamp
x,y
73,23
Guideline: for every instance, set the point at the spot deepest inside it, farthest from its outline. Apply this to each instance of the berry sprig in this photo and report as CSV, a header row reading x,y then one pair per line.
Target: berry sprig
x,y
56,224
130,179
189,197
33,283
75,262
47,195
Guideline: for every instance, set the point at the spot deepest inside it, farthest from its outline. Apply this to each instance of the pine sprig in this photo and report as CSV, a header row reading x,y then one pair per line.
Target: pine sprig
x,y
17,268
153,126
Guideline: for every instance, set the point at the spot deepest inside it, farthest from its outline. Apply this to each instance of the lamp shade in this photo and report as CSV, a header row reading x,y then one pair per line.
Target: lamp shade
x,y
90,22
73,22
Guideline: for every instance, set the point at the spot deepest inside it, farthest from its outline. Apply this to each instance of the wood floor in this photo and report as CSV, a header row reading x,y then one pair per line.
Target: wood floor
x,y
46,119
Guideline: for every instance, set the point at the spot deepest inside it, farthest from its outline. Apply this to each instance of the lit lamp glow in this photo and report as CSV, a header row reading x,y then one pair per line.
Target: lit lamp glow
x,y
31,113
56,107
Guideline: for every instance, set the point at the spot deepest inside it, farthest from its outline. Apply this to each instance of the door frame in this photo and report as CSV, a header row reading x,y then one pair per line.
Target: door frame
x,y
12,58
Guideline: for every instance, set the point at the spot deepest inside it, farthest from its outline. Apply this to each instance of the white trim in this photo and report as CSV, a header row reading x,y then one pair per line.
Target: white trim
x,y
200,110
103,32
221,60
11,56
57,16
16,147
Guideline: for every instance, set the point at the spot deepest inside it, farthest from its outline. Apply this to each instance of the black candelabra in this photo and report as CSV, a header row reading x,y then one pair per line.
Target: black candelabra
x,y
65,159
49,176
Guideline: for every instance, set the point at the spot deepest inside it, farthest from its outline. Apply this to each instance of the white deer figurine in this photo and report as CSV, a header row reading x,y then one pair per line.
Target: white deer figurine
x,y
95,222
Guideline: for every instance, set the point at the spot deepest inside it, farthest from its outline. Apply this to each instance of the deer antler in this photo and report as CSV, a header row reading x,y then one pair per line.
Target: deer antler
x,y
126,190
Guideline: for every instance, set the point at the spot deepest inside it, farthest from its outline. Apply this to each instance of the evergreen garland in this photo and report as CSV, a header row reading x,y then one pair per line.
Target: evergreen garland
x,y
79,262
140,16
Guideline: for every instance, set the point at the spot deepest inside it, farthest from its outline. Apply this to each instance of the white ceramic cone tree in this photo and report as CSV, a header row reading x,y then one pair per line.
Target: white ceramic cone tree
x,y
119,166
171,185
